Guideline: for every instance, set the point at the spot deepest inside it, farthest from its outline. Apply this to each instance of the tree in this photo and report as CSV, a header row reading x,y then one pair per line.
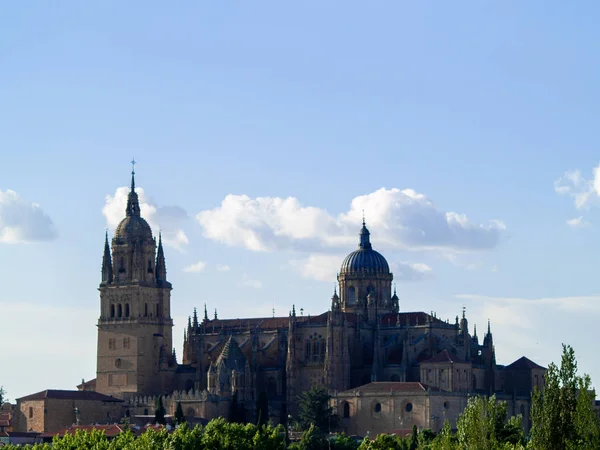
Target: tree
x,y
383,442
262,408
2,395
314,409
414,438
312,439
562,414
179,416
482,425
159,413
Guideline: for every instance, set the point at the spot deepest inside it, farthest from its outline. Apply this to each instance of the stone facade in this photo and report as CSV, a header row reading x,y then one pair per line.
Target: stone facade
x,y
135,326
363,339
51,410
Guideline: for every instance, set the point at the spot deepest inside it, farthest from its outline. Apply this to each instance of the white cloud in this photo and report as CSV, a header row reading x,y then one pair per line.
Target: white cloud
x,y
324,267
247,281
167,219
585,193
22,221
405,271
196,267
318,266
398,219
578,222
223,268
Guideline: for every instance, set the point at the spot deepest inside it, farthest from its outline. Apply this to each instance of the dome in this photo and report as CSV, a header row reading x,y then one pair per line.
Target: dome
x,y
365,259
133,227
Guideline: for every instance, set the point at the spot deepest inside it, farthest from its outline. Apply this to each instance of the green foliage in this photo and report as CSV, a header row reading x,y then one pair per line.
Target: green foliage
x,y
384,442
159,413
414,438
314,409
2,395
343,442
563,415
179,416
217,435
312,439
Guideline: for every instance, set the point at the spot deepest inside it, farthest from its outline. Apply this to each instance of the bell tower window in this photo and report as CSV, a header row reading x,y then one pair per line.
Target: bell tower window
x,y
126,309
122,265
145,309
112,310
120,310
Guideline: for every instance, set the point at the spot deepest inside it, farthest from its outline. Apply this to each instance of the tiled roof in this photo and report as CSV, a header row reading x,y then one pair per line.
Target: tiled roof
x,y
412,318
22,434
390,386
70,395
445,357
89,385
523,363
261,323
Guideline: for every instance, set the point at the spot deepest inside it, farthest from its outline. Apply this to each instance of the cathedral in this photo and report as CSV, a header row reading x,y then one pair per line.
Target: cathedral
x,y
386,369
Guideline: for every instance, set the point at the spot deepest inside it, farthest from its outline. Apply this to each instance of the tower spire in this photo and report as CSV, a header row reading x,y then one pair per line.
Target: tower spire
x,y
195,322
133,204
107,270
365,239
205,314
161,266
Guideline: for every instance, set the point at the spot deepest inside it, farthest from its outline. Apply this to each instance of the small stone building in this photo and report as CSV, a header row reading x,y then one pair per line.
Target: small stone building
x,y
51,410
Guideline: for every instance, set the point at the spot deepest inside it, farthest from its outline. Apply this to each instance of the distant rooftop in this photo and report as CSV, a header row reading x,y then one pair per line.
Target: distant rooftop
x,y
70,395
523,363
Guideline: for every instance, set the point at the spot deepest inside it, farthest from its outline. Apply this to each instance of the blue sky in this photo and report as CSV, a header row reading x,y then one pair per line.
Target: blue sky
x,y
482,109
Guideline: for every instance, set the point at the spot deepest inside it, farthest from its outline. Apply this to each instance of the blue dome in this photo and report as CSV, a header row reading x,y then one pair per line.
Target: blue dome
x,y
365,259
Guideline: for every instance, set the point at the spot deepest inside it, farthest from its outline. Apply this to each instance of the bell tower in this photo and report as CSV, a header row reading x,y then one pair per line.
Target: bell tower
x,y
135,324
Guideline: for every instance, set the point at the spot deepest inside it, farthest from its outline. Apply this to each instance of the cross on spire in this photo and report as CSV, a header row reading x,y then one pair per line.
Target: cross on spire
x,y
133,162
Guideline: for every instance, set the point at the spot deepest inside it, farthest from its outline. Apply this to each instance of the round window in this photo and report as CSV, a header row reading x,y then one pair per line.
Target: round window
x,y
446,405
408,407
377,407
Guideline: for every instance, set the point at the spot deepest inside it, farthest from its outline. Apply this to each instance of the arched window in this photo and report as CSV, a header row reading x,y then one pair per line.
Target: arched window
x,y
120,310
323,351
149,266
145,412
308,347
146,309
346,410
351,295
122,265
316,352
112,310
157,310
126,309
